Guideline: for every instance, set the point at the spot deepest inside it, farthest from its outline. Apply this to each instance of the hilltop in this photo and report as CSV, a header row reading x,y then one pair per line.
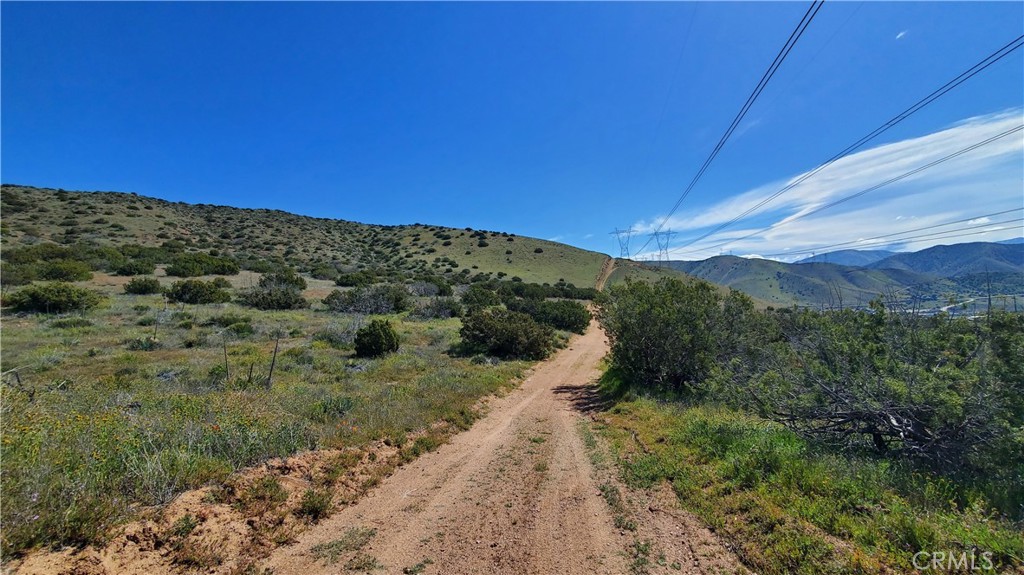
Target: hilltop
x,y
320,247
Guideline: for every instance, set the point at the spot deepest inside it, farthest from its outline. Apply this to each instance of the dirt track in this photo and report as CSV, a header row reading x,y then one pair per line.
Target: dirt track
x,y
517,493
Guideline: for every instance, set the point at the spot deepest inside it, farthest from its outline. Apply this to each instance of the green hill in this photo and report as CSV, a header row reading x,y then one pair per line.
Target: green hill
x,y
959,259
803,284
318,246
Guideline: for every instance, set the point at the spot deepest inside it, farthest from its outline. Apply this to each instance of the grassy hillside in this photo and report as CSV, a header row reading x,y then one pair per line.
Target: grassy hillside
x,y
959,259
324,246
804,284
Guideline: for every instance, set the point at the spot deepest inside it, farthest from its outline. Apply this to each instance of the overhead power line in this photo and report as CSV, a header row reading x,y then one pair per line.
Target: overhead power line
x,y
801,27
936,94
844,199
887,240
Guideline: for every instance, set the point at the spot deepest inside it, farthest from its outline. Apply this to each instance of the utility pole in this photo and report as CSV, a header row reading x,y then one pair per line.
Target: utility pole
x,y
623,237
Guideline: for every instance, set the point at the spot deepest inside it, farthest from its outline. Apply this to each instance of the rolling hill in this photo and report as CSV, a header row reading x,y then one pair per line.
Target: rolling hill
x,y
848,257
930,277
803,284
322,247
958,259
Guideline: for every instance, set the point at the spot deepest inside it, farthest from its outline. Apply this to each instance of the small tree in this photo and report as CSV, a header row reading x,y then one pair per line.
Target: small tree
x,y
376,339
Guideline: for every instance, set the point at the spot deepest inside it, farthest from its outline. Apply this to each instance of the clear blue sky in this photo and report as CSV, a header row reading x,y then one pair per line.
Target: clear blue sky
x,y
552,120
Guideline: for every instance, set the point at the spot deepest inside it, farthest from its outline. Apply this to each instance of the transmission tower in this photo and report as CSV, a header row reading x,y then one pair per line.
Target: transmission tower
x,y
663,238
623,237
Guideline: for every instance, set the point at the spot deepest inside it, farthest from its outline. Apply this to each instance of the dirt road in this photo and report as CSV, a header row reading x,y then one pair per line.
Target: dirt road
x,y
514,494
517,493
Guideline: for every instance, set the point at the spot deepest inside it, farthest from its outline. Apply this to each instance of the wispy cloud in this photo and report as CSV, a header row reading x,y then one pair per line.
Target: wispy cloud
x,y
902,34
985,180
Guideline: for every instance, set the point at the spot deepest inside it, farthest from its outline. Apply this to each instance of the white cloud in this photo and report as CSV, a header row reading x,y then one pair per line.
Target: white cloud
x,y
985,180
902,34
980,221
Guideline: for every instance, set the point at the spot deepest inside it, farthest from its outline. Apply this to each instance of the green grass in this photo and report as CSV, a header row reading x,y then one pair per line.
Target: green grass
x,y
787,507
96,429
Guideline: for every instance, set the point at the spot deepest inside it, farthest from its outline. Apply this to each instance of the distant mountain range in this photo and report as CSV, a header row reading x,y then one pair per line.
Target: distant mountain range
x,y
931,275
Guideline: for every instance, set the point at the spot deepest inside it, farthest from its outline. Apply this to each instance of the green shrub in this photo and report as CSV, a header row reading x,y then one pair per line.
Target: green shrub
x,y
315,504
478,297
56,297
65,271
562,314
356,279
201,264
18,274
278,290
376,339
135,268
506,334
197,292
142,286
147,343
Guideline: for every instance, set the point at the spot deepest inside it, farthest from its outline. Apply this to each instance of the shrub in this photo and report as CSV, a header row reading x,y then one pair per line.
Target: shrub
x,y
56,297
376,339
142,286
135,268
438,308
506,334
324,272
562,314
65,271
538,251
478,297
315,504
388,298
201,264
274,295
197,292
18,274
146,343
338,336
355,279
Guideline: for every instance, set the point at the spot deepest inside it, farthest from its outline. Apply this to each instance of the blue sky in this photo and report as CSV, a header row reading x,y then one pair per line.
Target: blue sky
x,y
559,121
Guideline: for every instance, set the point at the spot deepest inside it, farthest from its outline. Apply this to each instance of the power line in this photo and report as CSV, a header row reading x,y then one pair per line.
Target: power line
x,y
801,27
935,234
863,241
844,199
963,77
950,233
